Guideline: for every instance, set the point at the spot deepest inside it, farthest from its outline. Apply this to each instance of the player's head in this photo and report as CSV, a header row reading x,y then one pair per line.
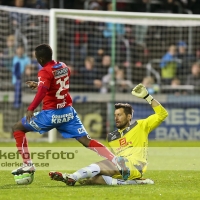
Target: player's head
x,y
43,54
123,115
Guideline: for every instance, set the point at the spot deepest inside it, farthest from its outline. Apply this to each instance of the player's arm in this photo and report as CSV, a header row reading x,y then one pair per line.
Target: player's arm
x,y
160,112
41,92
42,88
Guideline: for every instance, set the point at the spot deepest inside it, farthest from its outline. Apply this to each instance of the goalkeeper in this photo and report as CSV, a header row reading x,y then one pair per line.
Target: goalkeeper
x,y
129,141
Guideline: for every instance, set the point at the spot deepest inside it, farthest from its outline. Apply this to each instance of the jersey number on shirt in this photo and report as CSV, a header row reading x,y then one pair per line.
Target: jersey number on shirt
x,y
63,86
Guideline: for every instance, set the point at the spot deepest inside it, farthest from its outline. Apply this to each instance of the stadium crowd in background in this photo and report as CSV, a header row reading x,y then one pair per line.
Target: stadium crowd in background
x,y
159,6
88,49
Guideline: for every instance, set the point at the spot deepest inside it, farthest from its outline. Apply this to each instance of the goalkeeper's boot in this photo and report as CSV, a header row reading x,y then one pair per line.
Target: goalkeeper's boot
x,y
25,168
66,178
142,181
123,169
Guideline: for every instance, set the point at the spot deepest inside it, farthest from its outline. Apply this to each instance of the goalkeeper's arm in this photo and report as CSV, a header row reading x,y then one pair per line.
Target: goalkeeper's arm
x,y
160,112
140,91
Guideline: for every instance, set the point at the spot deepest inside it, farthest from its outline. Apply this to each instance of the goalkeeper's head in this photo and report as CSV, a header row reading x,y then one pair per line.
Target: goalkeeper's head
x,y
43,54
123,115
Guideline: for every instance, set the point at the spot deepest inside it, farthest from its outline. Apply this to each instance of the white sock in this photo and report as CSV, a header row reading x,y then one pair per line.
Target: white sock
x,y
86,172
29,162
112,181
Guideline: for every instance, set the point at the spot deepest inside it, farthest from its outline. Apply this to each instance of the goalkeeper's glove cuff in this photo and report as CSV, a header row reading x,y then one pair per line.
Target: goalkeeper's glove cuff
x,y
148,98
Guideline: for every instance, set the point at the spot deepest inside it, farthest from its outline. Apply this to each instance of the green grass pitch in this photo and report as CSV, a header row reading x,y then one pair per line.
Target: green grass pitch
x,y
169,184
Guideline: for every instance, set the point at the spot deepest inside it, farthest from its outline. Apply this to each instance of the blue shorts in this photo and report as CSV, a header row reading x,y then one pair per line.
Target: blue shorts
x,y
65,120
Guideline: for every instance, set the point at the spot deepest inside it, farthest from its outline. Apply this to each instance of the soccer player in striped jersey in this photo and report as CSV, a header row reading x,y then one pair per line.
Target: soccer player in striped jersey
x,y
129,141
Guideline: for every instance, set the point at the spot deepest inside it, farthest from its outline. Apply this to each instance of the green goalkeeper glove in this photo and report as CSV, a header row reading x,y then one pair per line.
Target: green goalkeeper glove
x,y
141,92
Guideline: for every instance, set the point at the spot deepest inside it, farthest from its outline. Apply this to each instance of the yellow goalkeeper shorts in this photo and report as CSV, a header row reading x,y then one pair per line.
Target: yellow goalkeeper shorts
x,y
136,170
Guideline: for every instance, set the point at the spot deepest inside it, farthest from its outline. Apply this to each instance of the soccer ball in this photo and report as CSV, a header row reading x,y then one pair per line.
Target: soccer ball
x,y
24,179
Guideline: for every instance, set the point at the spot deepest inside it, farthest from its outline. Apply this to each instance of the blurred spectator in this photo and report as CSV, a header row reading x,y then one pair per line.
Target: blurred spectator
x,y
18,19
174,87
89,76
34,62
23,60
107,33
169,65
198,55
149,83
31,70
6,59
99,57
119,28
141,31
21,65
186,61
8,52
175,82
79,40
75,79
105,65
121,85
38,4
19,3
95,35
194,77
74,75
139,54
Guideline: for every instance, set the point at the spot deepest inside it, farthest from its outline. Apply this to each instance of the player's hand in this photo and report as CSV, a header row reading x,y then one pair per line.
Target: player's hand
x,y
32,84
140,91
29,115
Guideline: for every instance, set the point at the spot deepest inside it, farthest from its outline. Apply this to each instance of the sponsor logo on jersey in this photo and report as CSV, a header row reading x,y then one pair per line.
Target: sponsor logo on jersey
x,y
34,125
61,105
60,72
122,142
57,119
123,147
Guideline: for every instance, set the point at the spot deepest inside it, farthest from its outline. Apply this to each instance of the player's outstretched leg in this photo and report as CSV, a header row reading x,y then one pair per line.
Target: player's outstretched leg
x,y
66,178
22,146
107,180
103,151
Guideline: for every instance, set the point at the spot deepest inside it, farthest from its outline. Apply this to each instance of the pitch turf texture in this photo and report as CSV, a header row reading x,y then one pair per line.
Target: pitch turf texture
x,y
169,184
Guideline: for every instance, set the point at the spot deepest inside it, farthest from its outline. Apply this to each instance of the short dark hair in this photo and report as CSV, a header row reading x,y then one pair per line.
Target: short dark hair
x,y
127,108
44,51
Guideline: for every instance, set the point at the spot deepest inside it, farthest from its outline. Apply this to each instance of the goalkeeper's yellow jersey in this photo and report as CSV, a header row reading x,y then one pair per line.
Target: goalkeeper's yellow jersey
x,y
132,142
